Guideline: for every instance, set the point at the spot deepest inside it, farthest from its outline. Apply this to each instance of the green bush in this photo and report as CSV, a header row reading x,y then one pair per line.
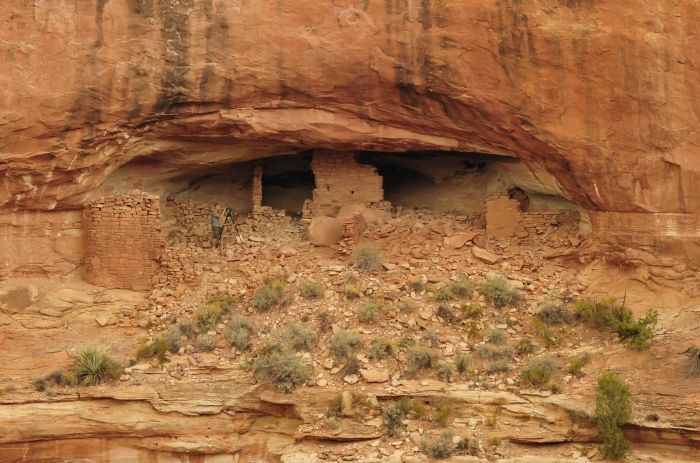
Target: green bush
x,y
538,372
153,349
283,369
54,378
440,448
239,332
408,306
471,311
554,313
637,334
93,366
393,414
208,316
499,292
300,337
694,367
447,315
270,294
445,371
344,343
368,258
442,416
613,409
420,357
495,336
464,364
369,311
311,290
489,351
381,348
575,367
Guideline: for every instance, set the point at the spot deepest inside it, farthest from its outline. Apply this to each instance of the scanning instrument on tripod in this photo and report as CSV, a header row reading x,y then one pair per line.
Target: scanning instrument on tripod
x,y
230,218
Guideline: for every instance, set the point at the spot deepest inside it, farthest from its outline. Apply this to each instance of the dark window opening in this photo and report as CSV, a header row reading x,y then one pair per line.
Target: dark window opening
x,y
287,182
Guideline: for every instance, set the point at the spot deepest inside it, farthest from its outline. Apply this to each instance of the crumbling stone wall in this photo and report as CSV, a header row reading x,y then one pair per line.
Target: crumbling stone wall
x,y
256,192
124,241
342,180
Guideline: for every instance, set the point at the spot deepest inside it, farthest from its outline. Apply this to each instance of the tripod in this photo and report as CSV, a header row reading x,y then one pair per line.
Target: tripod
x,y
229,218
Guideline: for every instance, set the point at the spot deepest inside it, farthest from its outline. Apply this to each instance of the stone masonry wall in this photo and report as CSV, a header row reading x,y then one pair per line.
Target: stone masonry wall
x,y
341,180
124,241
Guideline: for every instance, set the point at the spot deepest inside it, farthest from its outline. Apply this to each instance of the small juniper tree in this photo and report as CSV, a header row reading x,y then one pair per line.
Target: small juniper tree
x,y
613,409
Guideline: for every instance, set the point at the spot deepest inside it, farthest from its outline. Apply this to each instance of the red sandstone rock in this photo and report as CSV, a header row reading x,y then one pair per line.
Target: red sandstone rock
x,y
486,256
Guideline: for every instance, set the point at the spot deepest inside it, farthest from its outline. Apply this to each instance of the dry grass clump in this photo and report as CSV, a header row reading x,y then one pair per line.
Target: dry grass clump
x,y
420,357
300,337
575,367
369,311
445,371
54,378
538,372
464,364
240,330
155,348
311,289
271,294
351,292
694,367
492,352
461,286
554,313
207,316
448,315
282,369
368,258
344,343
443,294
381,348
495,336
440,448
204,342
408,306
499,292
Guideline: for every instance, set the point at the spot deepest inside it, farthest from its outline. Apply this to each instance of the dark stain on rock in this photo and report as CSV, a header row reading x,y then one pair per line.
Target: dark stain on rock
x,y
216,47
175,50
142,8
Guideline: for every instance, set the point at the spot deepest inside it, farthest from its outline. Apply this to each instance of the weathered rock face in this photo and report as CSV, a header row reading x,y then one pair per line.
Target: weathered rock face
x,y
599,94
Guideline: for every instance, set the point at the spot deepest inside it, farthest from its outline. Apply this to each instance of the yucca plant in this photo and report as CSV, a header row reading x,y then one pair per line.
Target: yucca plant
x,y
94,366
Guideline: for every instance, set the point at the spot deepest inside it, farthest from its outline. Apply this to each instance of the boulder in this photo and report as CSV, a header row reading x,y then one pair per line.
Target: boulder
x,y
325,231
375,375
486,256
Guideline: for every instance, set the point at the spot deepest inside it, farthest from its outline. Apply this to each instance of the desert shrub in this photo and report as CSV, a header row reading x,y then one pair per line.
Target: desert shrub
x,y
498,366
447,315
413,407
442,416
93,366
239,332
443,294
609,313
495,336
153,349
694,367
538,372
368,258
283,369
544,332
54,378
311,290
408,306
554,313
445,371
393,414
352,365
351,292
613,409
369,311
417,285
344,343
204,342
440,448
461,286
270,294
494,441
492,352
207,316
420,357
499,292
464,364
525,346
575,367
299,337
381,348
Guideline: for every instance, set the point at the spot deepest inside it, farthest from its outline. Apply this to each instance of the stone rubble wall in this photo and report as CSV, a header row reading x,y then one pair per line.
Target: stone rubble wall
x,y
124,241
342,180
